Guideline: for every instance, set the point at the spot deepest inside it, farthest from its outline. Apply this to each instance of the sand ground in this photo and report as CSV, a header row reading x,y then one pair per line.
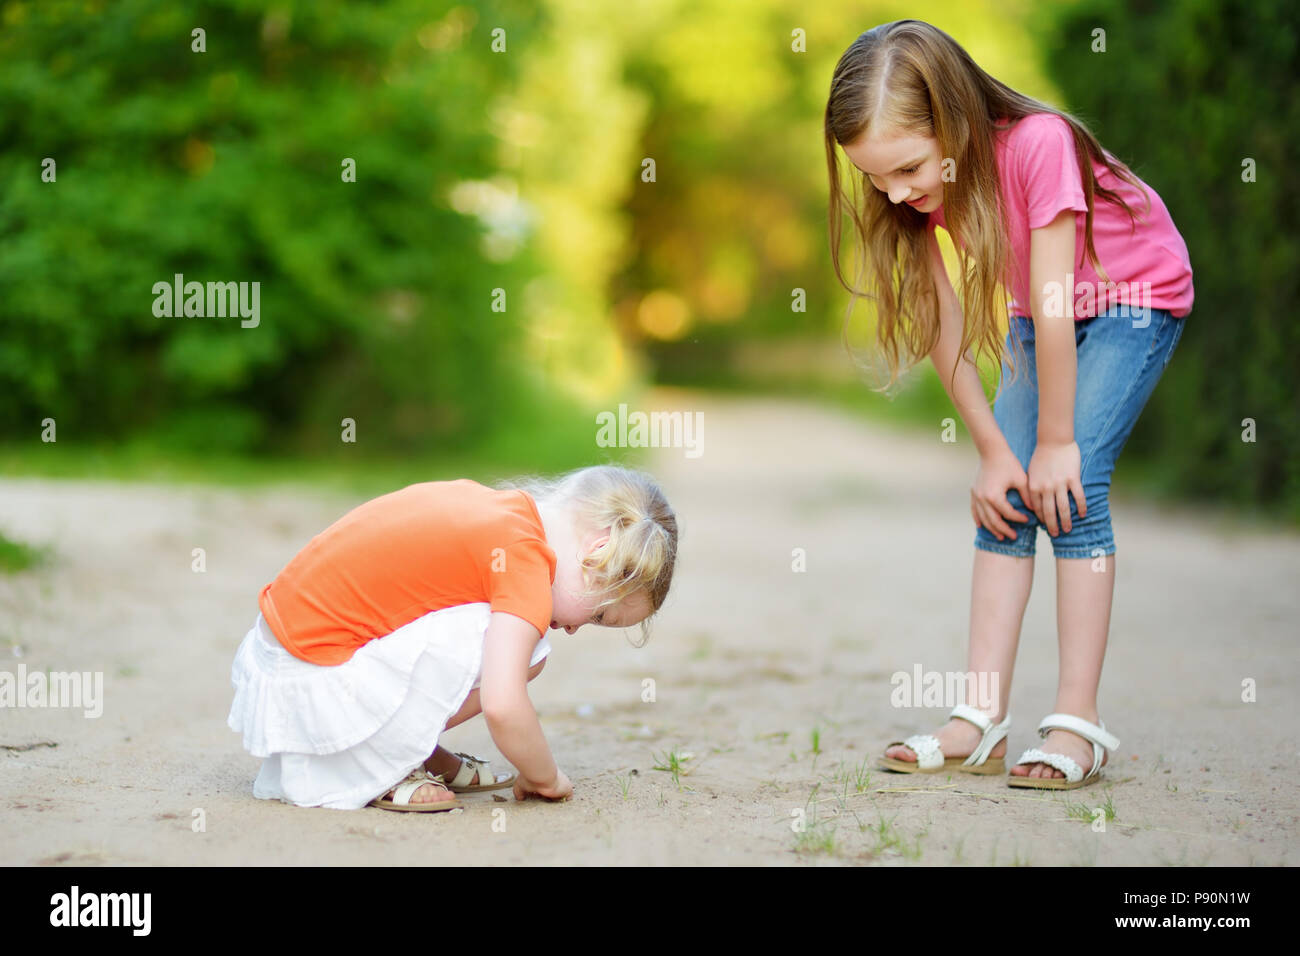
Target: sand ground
x,y
776,682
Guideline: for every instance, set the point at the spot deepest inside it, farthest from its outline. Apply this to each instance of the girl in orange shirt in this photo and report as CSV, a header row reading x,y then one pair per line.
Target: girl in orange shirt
x,y
425,607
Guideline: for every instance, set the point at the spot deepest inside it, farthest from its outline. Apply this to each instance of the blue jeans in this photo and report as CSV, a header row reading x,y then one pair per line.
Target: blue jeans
x,y
1121,357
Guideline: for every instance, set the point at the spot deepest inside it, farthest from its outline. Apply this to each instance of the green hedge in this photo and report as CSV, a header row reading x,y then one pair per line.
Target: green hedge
x,y
225,166
1184,93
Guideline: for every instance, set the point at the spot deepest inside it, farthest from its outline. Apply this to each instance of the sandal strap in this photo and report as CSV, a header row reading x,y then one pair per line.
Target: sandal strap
x,y
973,715
1073,772
926,748
416,779
993,734
929,755
1077,725
470,766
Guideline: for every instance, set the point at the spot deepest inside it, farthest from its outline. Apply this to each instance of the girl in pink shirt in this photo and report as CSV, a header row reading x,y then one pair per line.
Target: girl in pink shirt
x,y
1098,283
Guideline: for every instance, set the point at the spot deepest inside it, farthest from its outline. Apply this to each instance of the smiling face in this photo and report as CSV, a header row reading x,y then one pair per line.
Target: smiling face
x,y
903,166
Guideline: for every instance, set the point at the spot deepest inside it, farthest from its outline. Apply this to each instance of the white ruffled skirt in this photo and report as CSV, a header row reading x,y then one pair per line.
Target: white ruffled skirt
x,y
339,736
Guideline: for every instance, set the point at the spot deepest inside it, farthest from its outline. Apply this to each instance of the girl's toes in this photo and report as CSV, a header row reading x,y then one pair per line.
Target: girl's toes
x,y
430,793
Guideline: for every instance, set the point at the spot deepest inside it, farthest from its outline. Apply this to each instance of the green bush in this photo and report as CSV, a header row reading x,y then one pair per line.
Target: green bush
x,y
225,166
1184,93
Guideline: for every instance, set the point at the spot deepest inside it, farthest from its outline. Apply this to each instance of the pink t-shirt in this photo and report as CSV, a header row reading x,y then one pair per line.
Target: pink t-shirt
x,y
1040,177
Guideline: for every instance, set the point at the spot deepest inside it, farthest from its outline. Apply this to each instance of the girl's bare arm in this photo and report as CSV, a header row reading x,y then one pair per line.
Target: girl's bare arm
x,y
1055,468
999,468
967,394
1051,254
503,693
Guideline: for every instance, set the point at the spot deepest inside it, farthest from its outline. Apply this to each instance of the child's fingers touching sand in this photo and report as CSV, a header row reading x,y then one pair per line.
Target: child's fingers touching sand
x,y
558,789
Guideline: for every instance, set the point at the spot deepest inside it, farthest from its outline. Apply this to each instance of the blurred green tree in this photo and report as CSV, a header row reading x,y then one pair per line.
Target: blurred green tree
x,y
1187,93
230,165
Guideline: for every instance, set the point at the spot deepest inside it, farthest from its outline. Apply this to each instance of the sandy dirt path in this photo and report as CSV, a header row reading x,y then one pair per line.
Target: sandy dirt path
x,y
751,661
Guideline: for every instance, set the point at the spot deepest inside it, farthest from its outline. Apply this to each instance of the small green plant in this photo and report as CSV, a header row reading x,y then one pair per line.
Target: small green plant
x,y
672,762
625,782
1078,811
816,834
816,741
956,852
1086,814
16,556
1087,855
816,838
854,777
888,837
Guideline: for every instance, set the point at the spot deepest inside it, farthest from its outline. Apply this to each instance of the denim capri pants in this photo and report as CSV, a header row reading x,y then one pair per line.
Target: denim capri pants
x,y
1121,355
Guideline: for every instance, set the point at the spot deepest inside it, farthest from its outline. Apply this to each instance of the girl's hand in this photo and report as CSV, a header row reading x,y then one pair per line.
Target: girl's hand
x,y
558,789
1054,472
997,472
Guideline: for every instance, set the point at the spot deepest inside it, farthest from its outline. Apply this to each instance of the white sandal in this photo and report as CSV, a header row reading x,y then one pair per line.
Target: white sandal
x,y
403,792
930,758
1074,777
472,765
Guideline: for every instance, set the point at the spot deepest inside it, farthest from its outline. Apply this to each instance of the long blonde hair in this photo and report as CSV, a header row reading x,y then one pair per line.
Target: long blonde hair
x,y
642,547
912,78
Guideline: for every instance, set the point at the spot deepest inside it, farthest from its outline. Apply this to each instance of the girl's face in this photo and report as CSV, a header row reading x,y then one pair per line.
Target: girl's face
x,y
906,168
570,611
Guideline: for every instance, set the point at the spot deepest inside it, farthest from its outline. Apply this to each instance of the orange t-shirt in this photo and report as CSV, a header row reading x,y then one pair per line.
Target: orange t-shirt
x,y
429,546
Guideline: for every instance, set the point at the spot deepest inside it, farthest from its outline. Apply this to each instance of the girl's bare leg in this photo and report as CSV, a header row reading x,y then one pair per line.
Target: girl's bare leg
x,y
1000,586
1083,603
443,761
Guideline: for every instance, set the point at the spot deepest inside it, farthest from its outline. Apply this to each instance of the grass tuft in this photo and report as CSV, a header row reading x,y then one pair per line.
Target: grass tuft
x,y
673,762
15,556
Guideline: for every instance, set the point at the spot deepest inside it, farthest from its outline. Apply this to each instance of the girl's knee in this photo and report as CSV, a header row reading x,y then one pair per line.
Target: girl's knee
x,y
1096,499
1089,536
